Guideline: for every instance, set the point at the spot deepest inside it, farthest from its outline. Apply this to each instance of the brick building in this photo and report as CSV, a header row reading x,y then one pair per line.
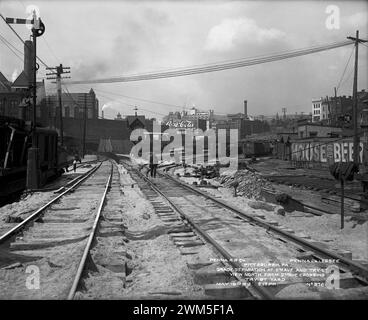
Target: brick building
x,y
334,111
14,97
73,105
311,130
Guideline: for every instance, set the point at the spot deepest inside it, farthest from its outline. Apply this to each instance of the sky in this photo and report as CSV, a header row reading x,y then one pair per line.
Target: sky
x,y
100,39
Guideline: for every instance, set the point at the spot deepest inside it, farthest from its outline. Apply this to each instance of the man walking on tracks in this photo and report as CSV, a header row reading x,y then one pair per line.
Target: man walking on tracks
x,y
153,164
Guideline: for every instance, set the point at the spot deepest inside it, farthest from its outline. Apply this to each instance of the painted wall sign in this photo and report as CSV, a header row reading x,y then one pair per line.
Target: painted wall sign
x,y
180,124
324,151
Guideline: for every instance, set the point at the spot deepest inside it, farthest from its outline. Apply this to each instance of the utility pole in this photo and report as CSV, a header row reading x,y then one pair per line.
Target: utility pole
x,y
335,103
59,70
84,125
328,111
355,99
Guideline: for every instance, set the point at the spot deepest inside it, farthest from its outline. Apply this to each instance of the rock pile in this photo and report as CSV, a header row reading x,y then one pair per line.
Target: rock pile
x,y
249,184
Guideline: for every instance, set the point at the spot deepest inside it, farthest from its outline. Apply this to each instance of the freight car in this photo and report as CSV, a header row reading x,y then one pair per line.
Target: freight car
x,y
15,140
257,148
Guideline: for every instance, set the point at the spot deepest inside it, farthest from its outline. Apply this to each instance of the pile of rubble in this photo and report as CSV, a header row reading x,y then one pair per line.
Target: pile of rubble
x,y
247,183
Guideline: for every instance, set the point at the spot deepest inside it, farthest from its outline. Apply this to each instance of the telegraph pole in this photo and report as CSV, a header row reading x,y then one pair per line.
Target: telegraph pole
x,y
59,70
335,104
355,99
84,125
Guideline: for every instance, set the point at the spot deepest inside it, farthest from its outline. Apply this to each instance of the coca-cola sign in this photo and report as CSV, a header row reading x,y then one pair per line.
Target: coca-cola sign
x,y
180,124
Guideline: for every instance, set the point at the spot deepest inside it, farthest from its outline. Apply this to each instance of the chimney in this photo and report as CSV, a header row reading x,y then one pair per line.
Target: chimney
x,y
28,60
245,108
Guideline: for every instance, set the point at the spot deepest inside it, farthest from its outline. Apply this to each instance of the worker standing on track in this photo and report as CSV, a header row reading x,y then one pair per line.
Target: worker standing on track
x,y
74,165
153,164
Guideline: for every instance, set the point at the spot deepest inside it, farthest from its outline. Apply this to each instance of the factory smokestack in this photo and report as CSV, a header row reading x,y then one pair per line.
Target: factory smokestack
x,y
246,108
28,60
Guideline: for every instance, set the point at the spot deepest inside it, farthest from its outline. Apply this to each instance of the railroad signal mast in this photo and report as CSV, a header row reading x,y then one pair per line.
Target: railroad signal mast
x,y
38,29
57,72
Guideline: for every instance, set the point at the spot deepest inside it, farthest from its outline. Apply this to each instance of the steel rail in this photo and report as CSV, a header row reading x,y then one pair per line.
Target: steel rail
x,y
39,211
263,292
75,179
83,260
356,266
284,180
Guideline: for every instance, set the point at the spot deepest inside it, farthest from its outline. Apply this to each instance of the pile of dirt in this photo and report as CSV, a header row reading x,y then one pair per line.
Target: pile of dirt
x,y
248,184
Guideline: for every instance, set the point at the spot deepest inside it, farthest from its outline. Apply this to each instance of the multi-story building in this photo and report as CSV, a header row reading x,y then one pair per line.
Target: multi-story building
x,y
337,111
74,105
316,110
15,98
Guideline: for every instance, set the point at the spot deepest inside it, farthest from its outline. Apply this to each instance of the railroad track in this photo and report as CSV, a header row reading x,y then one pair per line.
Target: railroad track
x,y
56,238
229,230
316,184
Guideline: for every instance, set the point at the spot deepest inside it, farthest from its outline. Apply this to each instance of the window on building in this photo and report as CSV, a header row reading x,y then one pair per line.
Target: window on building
x,y
67,112
313,133
301,134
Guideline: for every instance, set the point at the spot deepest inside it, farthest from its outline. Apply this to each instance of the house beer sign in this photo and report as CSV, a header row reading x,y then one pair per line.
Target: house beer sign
x,y
323,151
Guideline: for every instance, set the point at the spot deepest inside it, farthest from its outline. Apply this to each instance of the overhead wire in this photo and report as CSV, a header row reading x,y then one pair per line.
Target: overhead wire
x,y
10,47
347,63
20,38
213,67
132,105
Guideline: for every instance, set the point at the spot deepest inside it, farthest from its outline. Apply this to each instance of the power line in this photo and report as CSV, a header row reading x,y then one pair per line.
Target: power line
x,y
214,67
139,99
10,47
348,77
10,44
132,105
19,37
48,46
342,76
51,51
